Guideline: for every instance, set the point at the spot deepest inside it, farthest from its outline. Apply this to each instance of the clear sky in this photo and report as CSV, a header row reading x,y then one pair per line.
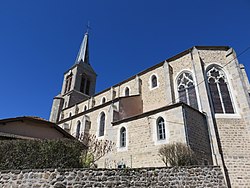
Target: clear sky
x,y
39,41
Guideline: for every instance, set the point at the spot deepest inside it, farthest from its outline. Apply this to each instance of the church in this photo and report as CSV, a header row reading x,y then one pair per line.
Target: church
x,y
199,97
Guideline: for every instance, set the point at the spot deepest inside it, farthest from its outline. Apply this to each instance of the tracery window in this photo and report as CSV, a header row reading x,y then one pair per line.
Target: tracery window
x,y
161,135
219,91
126,91
186,89
78,129
154,81
123,137
102,124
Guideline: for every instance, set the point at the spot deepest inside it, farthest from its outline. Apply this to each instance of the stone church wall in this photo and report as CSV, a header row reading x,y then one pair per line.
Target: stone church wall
x,y
206,176
153,98
213,56
181,64
198,135
235,143
142,151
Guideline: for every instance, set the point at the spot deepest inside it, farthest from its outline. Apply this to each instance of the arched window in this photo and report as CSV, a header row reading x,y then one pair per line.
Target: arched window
x,y
219,91
76,109
161,135
126,91
85,108
85,85
78,129
103,100
68,83
154,81
102,124
123,137
186,89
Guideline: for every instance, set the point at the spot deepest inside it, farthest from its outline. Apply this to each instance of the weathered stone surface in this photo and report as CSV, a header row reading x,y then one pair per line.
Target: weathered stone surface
x,y
208,176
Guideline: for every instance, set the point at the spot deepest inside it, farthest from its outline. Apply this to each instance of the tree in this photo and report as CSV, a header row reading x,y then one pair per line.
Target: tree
x,y
177,154
96,149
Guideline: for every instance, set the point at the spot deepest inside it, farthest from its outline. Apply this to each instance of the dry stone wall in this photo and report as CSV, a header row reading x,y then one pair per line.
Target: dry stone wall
x,y
207,176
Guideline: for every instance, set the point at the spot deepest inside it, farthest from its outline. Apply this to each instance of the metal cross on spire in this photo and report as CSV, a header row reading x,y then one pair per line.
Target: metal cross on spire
x,y
88,27
83,54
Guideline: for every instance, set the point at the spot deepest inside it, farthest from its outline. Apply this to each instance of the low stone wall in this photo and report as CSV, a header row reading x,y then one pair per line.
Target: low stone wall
x,y
207,176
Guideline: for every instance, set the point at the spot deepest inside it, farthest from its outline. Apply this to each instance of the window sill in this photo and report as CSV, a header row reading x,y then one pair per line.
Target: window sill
x,y
160,142
236,116
122,149
153,88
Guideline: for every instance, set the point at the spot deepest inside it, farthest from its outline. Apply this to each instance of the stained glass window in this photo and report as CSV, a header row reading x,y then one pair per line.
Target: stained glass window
x,y
123,137
220,94
102,124
154,81
186,89
161,129
127,91
78,129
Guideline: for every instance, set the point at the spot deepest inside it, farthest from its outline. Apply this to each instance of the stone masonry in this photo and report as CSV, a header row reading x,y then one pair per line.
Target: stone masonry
x,y
206,176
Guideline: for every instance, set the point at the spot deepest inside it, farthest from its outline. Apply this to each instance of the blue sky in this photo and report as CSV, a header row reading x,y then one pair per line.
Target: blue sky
x,y
39,41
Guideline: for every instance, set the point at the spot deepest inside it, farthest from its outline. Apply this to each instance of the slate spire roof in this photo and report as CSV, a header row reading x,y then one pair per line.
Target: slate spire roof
x,y
83,54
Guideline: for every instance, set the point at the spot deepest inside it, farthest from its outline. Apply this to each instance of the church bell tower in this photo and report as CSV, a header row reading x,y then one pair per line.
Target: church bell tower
x,y
78,83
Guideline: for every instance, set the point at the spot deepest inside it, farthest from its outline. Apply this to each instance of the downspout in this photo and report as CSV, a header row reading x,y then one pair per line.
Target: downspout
x,y
185,124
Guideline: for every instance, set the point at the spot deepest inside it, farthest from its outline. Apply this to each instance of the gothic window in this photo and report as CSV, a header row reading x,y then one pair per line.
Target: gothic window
x,y
123,137
102,124
82,87
103,100
78,129
85,108
219,91
186,89
68,83
154,81
126,91
161,135
85,85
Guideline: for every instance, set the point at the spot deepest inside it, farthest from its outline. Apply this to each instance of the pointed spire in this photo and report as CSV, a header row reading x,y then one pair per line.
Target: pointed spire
x,y
83,54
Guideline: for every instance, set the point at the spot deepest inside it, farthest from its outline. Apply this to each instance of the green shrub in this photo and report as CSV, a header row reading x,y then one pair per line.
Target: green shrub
x,y
38,154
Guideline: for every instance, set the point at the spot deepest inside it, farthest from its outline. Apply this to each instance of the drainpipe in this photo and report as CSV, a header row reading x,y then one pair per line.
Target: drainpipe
x,y
185,124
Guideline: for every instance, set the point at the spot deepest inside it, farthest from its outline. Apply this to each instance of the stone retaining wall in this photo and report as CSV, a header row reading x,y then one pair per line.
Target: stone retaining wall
x,y
207,176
